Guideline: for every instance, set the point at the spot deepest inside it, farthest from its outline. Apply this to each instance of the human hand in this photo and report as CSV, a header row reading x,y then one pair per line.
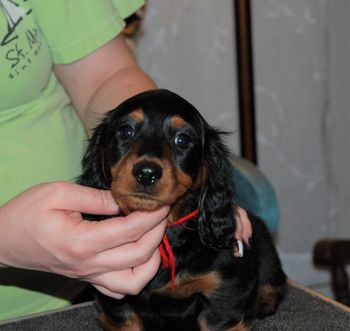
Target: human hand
x,y
43,229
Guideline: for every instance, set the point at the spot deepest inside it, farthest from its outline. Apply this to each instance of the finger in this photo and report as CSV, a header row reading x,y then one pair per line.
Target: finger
x,y
109,293
129,255
239,227
127,282
74,197
245,227
148,270
114,232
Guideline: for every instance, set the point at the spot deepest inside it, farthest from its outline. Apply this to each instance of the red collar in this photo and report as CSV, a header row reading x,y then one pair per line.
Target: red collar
x,y
165,248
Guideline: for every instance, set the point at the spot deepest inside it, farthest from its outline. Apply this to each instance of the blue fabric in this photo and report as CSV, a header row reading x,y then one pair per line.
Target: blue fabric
x,y
255,193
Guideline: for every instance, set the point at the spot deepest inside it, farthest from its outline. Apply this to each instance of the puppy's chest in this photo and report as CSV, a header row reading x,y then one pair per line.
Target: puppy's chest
x,y
197,269
189,253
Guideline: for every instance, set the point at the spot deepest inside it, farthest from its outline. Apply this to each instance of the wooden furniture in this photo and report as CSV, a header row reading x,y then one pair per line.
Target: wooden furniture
x,y
335,255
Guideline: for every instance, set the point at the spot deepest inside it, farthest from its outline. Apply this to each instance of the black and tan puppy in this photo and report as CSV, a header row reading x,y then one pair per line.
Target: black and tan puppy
x,y
156,149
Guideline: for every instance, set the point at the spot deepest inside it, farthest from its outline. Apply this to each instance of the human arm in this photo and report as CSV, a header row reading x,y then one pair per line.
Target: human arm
x,y
103,79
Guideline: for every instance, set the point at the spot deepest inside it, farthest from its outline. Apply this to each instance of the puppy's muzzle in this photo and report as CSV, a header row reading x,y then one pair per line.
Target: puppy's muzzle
x,y
147,173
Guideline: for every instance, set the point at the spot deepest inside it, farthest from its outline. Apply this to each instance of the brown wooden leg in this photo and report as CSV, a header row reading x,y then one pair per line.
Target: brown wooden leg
x,y
340,284
335,254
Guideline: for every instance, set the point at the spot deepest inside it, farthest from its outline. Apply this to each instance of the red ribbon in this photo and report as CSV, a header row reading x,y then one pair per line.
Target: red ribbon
x,y
165,249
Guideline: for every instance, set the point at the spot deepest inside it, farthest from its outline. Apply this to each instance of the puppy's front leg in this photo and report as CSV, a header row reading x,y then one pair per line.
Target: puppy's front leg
x,y
240,326
131,323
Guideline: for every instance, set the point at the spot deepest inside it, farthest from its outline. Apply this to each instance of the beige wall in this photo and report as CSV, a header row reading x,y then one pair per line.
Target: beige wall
x,y
302,120
187,47
292,104
338,132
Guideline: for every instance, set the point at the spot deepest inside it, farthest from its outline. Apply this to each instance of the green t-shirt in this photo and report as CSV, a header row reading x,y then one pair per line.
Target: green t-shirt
x,y
41,136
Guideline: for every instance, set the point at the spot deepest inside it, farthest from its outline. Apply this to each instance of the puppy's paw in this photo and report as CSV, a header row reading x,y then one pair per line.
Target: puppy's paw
x,y
268,299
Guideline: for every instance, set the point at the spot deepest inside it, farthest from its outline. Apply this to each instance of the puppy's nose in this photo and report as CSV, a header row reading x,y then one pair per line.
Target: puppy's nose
x,y
147,173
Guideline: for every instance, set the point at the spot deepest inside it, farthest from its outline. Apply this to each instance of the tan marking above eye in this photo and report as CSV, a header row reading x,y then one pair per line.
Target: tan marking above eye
x,y
138,115
177,122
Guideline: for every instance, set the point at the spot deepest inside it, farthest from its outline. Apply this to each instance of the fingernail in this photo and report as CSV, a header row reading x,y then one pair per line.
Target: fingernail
x,y
240,248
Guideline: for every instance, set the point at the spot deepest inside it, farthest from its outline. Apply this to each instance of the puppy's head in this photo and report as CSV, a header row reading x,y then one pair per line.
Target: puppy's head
x,y
155,149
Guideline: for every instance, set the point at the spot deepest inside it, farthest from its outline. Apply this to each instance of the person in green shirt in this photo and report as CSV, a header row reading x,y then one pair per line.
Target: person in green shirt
x,y
63,64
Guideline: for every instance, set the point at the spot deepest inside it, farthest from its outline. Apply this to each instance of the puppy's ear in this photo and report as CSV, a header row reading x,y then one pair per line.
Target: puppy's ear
x,y
96,171
217,207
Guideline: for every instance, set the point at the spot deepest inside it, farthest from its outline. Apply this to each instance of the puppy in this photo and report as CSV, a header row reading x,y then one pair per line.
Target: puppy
x,y
156,149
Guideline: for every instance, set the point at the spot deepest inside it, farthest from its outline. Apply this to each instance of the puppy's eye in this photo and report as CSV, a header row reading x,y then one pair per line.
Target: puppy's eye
x,y
182,140
126,132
